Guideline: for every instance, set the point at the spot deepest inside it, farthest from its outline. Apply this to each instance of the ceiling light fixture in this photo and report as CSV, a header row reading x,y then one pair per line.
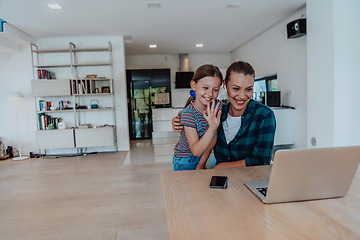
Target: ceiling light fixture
x,y
154,5
152,46
199,45
54,6
233,5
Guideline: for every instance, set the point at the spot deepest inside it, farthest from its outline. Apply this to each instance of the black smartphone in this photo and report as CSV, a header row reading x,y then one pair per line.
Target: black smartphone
x,y
219,182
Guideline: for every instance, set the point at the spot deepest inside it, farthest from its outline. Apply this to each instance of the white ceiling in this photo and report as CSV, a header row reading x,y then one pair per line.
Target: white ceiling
x,y
175,27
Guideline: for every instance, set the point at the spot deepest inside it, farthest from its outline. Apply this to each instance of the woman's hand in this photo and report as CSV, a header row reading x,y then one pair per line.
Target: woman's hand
x,y
212,114
176,123
239,163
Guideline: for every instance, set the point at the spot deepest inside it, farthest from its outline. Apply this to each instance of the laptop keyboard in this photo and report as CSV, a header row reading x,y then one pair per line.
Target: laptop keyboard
x,y
263,191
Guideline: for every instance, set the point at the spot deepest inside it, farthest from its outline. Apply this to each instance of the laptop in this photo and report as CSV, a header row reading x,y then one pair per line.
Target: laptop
x,y
308,174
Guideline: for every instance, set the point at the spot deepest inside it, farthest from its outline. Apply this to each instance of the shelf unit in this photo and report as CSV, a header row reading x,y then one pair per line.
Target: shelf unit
x,y
85,105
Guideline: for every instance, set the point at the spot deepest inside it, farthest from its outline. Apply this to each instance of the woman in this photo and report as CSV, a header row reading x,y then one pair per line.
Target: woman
x,y
247,129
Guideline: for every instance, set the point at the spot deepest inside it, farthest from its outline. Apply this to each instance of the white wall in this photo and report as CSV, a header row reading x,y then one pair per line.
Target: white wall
x,y
333,60
16,75
351,47
320,72
271,52
179,96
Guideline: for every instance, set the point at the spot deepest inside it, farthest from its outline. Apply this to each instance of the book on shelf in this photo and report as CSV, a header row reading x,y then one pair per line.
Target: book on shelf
x,y
65,105
79,89
40,121
41,105
81,86
84,126
47,122
48,105
73,87
45,74
60,105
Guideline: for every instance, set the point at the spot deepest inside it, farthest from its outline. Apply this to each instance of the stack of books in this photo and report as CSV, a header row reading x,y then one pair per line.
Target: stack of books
x,y
47,122
45,74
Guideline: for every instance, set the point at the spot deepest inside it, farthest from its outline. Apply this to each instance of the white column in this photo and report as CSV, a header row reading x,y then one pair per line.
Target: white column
x,y
333,55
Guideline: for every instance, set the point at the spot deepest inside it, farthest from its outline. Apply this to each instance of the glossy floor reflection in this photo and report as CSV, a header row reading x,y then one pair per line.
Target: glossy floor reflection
x,y
159,150
93,197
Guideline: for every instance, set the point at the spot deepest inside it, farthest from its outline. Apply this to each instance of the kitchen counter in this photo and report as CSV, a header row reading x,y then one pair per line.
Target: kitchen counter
x,y
284,134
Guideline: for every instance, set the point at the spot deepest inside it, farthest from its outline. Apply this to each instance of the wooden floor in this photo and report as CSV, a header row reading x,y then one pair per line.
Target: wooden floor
x,y
104,196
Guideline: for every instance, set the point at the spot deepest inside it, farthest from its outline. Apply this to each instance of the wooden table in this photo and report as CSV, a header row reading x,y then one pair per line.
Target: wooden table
x,y
195,211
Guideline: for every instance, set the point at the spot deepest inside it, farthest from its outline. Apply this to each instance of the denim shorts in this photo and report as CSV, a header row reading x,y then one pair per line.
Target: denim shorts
x,y
185,163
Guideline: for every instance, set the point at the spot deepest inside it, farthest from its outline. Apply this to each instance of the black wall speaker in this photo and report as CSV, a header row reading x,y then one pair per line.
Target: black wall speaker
x,y
296,28
273,99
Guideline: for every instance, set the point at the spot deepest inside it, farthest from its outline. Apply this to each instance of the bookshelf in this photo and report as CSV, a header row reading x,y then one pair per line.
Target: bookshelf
x,y
74,97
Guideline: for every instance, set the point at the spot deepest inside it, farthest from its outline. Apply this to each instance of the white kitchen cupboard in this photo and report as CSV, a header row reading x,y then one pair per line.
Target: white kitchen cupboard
x,y
285,126
284,134
162,126
85,104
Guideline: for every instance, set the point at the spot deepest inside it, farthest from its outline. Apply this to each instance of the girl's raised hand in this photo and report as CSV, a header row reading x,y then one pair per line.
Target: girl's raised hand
x,y
212,114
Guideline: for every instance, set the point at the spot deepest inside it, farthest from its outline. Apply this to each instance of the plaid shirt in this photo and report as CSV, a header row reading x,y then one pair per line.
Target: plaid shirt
x,y
255,139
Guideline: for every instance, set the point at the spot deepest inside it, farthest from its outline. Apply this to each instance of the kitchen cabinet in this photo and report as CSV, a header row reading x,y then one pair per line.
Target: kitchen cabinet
x,y
284,134
162,118
285,126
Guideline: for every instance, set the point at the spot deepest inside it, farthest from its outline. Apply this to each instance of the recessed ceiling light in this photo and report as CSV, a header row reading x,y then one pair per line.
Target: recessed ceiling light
x,y
152,46
154,5
54,6
233,5
199,45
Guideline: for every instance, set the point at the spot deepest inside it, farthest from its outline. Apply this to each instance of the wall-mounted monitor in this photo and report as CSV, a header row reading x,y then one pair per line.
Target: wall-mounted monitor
x,y
183,79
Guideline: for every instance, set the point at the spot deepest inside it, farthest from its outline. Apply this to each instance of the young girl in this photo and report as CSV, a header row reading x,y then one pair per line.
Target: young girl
x,y
200,118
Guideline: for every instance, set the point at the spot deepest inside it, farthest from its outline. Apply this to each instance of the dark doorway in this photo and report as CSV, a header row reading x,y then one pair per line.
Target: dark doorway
x,y
146,89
